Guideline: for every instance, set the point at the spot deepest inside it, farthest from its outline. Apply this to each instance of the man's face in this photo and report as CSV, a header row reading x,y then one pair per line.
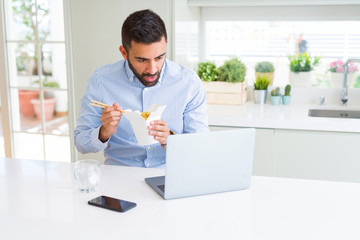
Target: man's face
x,y
146,60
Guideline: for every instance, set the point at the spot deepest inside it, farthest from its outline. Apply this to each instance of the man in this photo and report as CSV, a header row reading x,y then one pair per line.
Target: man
x,y
143,78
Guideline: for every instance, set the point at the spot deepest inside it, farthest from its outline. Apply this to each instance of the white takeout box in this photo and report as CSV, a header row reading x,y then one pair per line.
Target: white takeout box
x,y
140,125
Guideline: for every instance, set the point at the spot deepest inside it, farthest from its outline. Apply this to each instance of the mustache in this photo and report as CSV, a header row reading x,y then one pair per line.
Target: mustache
x,y
150,75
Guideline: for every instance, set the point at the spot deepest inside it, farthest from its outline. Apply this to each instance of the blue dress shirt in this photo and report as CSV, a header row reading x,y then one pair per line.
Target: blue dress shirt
x,y
178,87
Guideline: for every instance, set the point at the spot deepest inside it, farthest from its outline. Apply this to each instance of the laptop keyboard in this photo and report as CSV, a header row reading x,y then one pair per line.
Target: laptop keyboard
x,y
161,187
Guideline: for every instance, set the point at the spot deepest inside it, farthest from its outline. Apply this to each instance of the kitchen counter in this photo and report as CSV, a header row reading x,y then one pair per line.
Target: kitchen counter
x,y
294,116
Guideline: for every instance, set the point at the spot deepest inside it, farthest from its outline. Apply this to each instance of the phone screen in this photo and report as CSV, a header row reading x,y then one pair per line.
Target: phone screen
x,y
112,203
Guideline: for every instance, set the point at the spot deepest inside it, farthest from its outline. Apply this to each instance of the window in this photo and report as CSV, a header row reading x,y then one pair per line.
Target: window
x,y
255,41
256,34
37,79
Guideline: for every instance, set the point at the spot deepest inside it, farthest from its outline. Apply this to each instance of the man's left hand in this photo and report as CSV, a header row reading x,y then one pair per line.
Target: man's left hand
x,y
160,130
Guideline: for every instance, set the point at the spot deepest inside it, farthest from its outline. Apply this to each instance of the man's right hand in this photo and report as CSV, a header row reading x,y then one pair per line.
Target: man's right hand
x,y
110,119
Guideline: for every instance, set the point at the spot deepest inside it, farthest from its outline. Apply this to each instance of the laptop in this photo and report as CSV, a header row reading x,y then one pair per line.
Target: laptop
x,y
206,163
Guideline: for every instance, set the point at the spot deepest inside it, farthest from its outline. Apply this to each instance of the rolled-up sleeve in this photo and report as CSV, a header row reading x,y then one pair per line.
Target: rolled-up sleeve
x,y
88,124
195,114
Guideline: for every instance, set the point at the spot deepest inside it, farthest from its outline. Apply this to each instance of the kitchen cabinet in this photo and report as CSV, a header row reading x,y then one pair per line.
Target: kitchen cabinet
x,y
306,154
263,164
317,155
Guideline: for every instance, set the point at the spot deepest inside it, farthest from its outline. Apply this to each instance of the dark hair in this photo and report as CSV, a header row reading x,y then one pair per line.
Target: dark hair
x,y
143,26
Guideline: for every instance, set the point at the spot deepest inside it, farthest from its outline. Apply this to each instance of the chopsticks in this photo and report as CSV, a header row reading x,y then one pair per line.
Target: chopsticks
x,y
101,105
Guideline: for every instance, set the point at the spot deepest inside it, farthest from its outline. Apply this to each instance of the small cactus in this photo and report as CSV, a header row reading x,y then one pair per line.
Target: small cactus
x,y
287,90
275,92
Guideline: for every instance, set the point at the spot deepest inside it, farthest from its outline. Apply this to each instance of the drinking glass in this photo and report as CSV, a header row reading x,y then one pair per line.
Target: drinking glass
x,y
87,175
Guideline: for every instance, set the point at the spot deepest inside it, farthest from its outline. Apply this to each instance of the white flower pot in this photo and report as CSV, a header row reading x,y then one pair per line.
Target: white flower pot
x,y
260,96
337,79
300,79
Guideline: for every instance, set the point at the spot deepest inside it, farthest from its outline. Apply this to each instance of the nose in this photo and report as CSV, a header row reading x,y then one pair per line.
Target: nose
x,y
152,68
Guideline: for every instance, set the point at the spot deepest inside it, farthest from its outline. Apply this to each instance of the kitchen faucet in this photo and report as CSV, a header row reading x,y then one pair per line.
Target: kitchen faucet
x,y
344,90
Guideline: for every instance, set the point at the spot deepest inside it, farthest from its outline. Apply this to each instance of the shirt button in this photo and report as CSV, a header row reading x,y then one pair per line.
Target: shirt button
x,y
148,148
147,164
131,79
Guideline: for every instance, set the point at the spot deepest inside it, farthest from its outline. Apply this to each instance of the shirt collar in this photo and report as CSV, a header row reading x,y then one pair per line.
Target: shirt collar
x,y
131,76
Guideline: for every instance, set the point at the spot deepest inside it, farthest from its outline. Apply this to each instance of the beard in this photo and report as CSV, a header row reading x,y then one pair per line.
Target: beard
x,y
142,78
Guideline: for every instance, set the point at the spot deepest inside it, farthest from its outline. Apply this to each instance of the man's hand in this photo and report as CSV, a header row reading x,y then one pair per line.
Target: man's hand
x,y
160,130
110,119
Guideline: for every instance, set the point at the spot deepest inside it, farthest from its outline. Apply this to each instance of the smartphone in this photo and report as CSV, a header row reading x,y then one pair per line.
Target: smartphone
x,y
112,203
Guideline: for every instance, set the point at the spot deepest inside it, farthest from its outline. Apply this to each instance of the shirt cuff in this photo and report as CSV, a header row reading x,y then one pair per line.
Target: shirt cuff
x,y
99,145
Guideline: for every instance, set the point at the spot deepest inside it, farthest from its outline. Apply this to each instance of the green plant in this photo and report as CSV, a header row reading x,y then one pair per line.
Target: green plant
x,y
207,71
262,83
47,83
29,15
275,92
233,70
287,90
303,62
264,67
357,82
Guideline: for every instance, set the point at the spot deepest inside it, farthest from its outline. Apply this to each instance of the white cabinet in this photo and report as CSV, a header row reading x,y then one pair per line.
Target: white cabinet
x,y
305,154
263,164
317,155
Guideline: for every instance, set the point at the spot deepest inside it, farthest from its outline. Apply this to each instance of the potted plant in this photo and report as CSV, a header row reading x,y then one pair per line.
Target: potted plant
x,y
301,66
337,73
286,98
265,68
49,101
275,96
226,84
207,71
260,89
25,97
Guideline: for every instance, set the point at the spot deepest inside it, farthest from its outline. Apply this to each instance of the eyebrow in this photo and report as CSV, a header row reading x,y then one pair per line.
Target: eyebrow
x,y
141,58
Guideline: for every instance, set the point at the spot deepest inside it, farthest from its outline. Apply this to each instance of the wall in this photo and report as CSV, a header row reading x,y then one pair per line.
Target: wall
x,y
96,36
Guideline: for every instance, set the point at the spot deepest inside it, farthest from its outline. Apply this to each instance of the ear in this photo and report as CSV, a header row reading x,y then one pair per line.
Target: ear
x,y
123,52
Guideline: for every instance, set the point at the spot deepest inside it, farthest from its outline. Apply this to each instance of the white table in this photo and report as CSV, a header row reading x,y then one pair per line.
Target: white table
x,y
38,200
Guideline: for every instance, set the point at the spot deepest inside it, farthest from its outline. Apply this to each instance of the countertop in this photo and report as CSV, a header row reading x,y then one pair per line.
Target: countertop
x,y
39,201
294,116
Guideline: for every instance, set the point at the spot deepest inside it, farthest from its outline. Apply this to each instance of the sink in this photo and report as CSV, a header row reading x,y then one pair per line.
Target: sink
x,y
332,113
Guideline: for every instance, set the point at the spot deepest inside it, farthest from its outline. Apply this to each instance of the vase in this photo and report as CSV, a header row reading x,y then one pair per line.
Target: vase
x,y
49,108
25,97
337,79
260,96
275,100
300,79
286,100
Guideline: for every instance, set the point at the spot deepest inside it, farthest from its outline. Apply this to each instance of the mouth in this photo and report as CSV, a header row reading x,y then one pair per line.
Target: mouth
x,y
151,78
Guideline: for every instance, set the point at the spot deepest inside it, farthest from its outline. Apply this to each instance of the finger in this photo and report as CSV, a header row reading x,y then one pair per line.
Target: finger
x,y
110,123
111,114
159,128
160,140
114,116
109,109
158,122
106,121
117,107
159,134
163,132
